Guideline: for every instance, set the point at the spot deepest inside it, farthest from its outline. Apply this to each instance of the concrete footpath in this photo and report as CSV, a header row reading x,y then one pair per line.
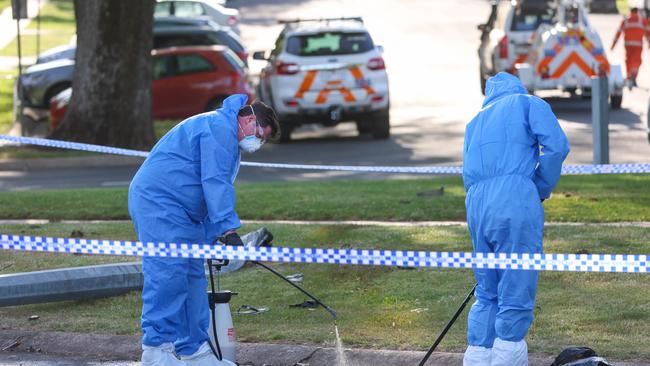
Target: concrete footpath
x,y
77,349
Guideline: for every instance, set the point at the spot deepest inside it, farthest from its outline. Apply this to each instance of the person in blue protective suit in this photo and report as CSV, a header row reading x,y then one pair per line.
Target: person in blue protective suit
x,y
513,153
184,193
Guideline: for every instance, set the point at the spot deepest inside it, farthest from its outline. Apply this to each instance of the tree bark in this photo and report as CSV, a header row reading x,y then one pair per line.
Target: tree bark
x,y
111,87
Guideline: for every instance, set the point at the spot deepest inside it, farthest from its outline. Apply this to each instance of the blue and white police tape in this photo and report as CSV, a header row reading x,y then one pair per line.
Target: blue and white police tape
x,y
627,263
440,170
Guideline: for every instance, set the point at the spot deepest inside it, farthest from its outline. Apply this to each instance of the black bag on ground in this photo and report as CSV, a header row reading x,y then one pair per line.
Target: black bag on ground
x,y
579,356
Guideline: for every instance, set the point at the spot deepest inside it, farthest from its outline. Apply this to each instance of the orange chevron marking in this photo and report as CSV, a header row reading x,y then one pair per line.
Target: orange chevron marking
x,y
573,58
306,83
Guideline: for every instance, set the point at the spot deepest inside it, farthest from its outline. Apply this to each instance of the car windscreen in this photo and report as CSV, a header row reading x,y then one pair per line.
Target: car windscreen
x,y
227,39
175,40
329,43
529,15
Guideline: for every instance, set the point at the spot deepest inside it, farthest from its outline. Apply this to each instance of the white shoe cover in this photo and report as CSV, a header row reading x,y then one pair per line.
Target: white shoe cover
x,y
505,353
162,355
477,356
204,357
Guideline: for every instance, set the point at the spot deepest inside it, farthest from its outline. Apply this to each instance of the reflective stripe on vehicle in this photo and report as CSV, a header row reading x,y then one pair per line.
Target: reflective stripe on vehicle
x,y
306,83
574,58
634,43
358,76
334,85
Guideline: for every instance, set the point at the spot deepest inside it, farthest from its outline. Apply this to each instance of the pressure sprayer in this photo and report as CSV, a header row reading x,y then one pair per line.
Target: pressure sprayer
x,y
222,333
223,340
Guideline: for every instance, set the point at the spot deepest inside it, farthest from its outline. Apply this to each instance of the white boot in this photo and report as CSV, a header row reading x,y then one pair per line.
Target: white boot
x,y
162,355
477,356
204,357
505,353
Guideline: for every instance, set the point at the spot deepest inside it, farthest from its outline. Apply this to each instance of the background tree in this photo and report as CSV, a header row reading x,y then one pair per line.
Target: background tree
x,y
111,97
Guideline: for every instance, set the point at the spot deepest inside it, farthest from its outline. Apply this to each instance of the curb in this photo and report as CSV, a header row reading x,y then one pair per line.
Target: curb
x,y
103,347
70,162
641,224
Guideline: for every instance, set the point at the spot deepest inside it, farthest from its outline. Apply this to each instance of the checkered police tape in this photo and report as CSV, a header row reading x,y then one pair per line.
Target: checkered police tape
x,y
440,170
627,263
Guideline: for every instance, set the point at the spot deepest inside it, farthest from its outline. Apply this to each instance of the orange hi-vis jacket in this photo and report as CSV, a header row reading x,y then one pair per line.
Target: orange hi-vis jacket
x,y
634,27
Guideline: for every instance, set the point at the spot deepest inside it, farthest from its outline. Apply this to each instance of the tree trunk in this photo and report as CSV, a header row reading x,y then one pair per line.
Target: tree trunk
x,y
111,87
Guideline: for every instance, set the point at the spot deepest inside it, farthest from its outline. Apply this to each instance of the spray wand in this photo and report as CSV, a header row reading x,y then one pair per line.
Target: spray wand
x,y
327,308
266,242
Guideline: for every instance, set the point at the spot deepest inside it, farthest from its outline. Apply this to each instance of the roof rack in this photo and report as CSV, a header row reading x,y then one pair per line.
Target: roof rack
x,y
299,20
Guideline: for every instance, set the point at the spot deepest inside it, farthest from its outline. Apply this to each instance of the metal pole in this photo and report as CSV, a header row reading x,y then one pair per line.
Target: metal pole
x,y
20,65
38,29
600,119
19,112
648,120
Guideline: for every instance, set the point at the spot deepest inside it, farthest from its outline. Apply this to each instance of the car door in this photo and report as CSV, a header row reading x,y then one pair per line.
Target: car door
x,y
189,90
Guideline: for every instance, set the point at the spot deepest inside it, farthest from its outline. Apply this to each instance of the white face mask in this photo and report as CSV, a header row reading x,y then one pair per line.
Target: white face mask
x,y
251,143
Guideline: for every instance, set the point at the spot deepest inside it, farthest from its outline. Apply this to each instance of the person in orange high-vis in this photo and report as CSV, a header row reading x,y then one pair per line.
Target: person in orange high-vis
x,y
634,27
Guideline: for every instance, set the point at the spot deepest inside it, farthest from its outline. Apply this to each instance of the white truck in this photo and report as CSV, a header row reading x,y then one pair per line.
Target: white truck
x,y
566,54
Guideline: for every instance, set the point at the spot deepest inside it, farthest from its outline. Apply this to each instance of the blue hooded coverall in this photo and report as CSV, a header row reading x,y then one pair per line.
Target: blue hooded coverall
x,y
183,193
505,176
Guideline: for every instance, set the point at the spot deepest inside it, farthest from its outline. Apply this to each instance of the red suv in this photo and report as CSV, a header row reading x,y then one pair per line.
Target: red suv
x,y
186,81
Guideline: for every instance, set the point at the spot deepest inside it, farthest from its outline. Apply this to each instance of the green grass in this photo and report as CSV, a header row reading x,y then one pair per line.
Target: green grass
x,y
598,198
376,305
57,27
4,4
6,100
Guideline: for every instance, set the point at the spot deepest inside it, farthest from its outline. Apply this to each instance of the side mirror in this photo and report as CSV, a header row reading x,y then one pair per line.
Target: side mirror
x,y
259,55
380,49
481,27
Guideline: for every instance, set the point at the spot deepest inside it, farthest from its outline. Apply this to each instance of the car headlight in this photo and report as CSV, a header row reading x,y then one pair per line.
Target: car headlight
x,y
32,79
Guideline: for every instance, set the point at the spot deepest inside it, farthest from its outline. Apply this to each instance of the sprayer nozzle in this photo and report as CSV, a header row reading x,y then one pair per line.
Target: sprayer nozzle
x,y
331,311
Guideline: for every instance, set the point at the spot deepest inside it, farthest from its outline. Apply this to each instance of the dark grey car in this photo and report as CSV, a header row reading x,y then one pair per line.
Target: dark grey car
x,y
163,26
40,82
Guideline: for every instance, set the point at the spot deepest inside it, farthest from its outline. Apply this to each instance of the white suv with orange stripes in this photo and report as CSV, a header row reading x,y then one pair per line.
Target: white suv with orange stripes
x,y
326,71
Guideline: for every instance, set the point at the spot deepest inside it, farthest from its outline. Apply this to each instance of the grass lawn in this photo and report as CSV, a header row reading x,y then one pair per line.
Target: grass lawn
x,y
597,198
6,100
57,27
4,4
378,307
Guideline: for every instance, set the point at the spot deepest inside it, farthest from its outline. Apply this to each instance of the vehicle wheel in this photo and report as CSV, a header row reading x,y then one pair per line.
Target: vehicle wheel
x,y
364,125
214,104
615,101
285,132
381,125
52,92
